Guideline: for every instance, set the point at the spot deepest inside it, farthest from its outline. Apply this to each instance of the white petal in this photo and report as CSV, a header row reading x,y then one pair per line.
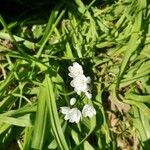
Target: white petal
x,y
64,110
67,117
71,75
89,95
88,79
70,68
72,83
78,92
77,65
75,70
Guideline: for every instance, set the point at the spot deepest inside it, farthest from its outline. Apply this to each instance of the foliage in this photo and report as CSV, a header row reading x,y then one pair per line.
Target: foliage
x,y
112,41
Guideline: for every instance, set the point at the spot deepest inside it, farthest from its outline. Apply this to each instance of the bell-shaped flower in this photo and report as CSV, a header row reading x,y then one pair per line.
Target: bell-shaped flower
x,y
72,115
88,111
64,110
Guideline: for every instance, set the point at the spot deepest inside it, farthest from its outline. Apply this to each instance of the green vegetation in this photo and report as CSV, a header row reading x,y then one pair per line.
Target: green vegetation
x,y
111,40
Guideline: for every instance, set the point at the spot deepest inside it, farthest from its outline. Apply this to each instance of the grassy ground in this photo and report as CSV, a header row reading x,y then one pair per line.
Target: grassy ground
x,y
110,39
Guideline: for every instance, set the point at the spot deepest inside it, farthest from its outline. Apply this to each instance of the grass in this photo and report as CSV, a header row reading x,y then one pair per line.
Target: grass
x,y
111,40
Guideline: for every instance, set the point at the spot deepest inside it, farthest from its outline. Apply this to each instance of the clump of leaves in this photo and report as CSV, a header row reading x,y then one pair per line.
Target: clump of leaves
x,y
111,41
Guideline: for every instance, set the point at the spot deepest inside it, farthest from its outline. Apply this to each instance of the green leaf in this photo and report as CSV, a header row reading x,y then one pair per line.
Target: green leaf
x,y
88,146
138,97
40,120
23,121
53,112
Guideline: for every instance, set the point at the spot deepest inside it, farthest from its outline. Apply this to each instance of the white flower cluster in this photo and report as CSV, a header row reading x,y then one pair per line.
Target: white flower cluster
x,y
74,114
80,82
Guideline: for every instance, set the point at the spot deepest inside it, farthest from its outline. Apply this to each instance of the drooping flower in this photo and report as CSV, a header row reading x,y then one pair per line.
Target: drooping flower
x,y
73,115
88,111
75,70
64,110
72,101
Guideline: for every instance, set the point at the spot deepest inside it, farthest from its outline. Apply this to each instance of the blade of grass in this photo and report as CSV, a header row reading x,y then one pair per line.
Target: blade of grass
x,y
7,29
138,97
18,39
40,120
50,27
22,121
54,118
134,37
27,138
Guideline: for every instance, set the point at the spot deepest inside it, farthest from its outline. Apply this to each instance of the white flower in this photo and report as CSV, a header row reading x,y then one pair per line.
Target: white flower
x,y
88,111
80,84
75,70
64,110
74,115
72,101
